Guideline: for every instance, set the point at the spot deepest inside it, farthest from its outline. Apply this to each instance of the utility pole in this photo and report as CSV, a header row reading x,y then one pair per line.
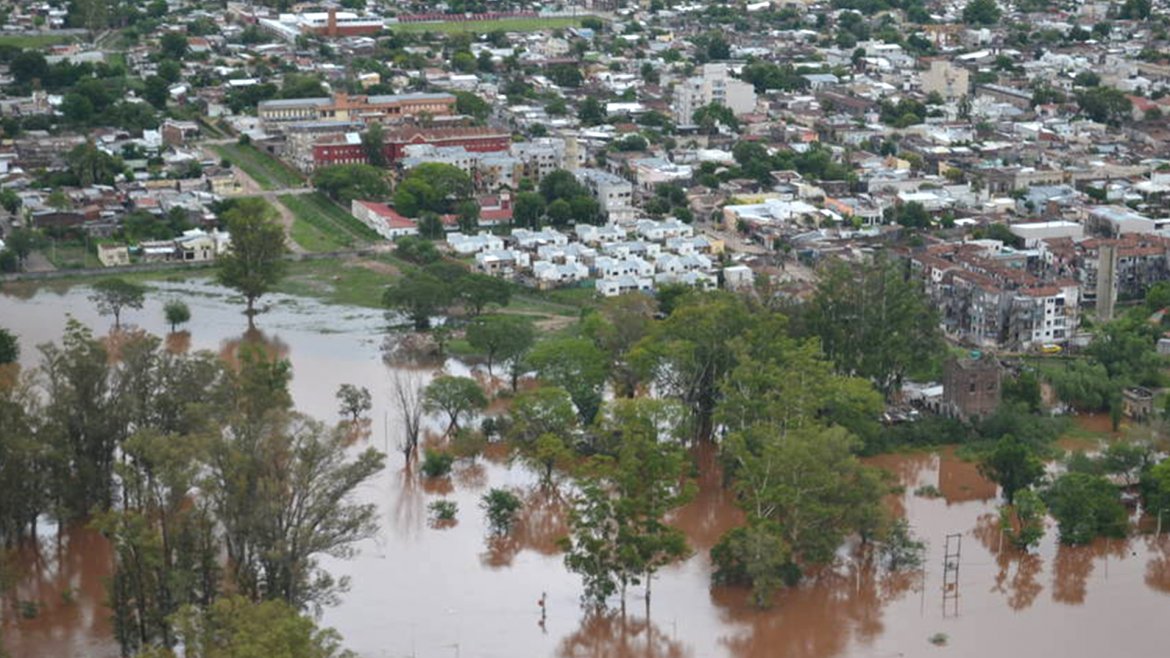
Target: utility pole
x,y
952,555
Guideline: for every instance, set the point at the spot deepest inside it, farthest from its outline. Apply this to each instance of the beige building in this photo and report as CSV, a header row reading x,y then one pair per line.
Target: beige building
x,y
714,85
948,80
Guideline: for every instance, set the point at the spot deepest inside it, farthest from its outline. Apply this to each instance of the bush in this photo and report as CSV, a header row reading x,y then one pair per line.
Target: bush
x,y
501,507
1085,507
443,510
437,464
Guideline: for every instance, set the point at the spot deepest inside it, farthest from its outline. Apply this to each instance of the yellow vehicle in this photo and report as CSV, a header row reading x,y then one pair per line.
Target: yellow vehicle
x,y
1051,349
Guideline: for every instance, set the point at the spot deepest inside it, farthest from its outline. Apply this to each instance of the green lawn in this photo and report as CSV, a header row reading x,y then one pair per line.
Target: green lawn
x,y
321,225
268,172
71,256
505,24
34,40
346,282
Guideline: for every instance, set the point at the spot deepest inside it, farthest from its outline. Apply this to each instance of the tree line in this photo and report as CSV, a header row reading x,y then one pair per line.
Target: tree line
x,y
182,460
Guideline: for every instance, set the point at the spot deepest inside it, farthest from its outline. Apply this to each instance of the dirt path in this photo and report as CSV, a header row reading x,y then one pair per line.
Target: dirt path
x,y
249,187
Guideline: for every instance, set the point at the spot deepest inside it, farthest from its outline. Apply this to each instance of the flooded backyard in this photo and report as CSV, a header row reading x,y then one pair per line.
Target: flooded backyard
x,y
417,590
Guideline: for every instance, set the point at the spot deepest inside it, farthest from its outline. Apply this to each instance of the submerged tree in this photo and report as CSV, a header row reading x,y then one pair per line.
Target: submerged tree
x,y
176,313
618,534
874,322
112,296
1013,465
454,396
255,262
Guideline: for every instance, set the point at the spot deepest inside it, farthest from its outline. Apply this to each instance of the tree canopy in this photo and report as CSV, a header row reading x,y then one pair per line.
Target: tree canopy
x,y
255,262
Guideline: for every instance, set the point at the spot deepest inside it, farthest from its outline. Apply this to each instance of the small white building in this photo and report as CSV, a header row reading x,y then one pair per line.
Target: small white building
x,y
610,268
738,277
531,240
624,284
502,262
549,274
664,230
383,219
465,245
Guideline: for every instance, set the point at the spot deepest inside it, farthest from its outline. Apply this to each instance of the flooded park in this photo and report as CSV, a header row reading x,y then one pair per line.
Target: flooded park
x,y
420,590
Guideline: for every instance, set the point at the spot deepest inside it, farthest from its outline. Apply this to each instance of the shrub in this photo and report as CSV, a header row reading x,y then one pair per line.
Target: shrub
x,y
437,464
501,507
443,510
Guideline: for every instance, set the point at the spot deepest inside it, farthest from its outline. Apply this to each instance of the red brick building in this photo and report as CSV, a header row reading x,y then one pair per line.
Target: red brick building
x,y
348,149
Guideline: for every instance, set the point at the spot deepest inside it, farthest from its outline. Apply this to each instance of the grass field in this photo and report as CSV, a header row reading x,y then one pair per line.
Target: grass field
x,y
33,40
321,225
268,172
505,24
352,282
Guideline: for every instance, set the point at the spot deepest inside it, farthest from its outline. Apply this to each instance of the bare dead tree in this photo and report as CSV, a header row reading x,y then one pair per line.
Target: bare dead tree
x,y
407,394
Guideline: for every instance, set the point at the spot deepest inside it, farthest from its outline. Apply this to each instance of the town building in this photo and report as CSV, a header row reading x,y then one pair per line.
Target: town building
x,y
714,84
389,108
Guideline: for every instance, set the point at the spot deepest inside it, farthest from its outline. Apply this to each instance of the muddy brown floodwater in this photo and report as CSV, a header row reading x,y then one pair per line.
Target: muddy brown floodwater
x,y
417,590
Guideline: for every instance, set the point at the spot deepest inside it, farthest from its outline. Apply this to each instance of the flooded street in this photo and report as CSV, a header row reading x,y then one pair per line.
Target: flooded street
x,y
417,590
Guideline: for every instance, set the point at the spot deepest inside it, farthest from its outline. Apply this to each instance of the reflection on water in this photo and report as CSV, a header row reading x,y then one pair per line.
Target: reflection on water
x,y
417,590
617,636
57,606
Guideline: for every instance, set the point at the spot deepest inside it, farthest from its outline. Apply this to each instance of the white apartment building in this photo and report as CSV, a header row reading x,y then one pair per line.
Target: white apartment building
x,y
715,85
613,193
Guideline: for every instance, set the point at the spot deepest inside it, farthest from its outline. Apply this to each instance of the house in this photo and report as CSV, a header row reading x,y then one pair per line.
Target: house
x,y
624,284
738,277
972,386
664,230
610,268
596,235
109,255
465,245
501,262
549,274
383,219
531,240
693,279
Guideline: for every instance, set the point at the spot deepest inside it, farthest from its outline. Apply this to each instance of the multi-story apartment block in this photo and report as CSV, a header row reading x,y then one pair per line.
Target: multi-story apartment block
x,y
714,85
613,193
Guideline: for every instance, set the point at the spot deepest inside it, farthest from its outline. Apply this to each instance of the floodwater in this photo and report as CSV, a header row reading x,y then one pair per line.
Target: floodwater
x,y
421,590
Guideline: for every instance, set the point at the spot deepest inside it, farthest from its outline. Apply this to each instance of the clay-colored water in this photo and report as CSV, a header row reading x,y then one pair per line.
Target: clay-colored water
x,y
423,591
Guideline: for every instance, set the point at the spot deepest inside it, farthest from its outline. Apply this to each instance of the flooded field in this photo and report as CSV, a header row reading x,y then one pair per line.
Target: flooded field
x,y
423,591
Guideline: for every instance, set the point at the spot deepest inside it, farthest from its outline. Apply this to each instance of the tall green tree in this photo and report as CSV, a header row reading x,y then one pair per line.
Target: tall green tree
x,y
373,143
1013,465
234,627
282,489
476,291
576,365
688,354
502,338
255,262
419,296
84,421
347,182
456,397
981,12
874,322
9,347
617,533
166,553
616,327
112,296
1085,507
